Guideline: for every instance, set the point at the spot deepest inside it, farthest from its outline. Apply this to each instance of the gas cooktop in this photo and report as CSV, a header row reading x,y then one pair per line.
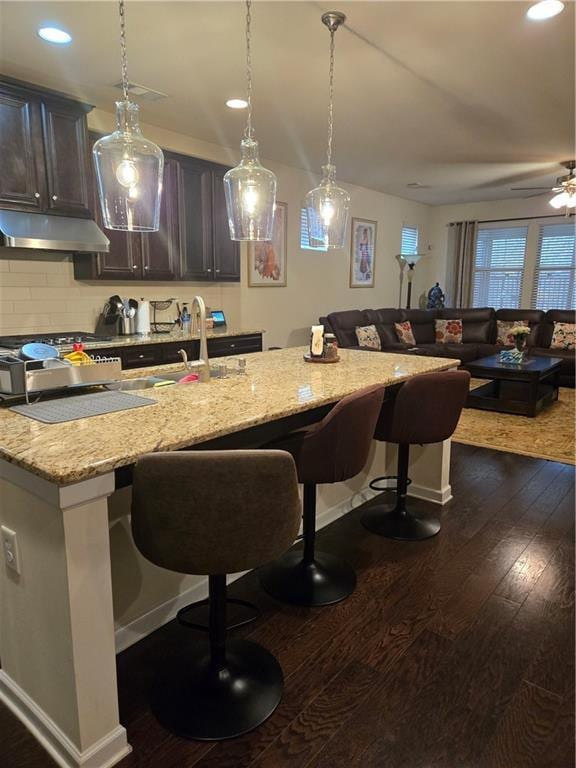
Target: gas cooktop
x,y
67,337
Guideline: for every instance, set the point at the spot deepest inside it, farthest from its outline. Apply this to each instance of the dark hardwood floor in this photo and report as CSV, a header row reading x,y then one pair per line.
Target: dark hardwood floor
x,y
457,652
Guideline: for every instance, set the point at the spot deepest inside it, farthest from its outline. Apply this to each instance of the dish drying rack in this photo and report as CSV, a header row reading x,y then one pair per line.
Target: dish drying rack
x,y
23,378
161,305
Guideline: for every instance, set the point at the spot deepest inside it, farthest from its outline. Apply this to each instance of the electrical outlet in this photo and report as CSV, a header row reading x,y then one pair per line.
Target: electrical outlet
x,y
10,547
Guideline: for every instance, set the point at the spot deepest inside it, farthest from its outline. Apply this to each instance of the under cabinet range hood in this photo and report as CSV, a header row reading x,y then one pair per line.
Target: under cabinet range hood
x,y
51,233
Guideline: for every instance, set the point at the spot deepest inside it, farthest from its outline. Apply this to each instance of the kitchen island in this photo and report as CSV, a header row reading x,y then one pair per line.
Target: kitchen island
x,y
57,640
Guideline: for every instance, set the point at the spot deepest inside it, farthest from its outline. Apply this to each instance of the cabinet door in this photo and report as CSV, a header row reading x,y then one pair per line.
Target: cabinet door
x,y
160,249
22,181
195,215
226,251
66,153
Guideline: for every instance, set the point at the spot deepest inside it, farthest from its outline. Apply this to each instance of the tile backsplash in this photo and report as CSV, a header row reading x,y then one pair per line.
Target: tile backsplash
x,y
38,293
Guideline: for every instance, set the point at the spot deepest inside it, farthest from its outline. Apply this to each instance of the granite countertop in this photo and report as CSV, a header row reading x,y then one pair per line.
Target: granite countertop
x,y
277,384
162,338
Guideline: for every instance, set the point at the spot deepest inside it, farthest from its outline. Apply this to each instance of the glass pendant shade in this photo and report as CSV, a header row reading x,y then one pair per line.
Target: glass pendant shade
x,y
129,171
327,208
250,191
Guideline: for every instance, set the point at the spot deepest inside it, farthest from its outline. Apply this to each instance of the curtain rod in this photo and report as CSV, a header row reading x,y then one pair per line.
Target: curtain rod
x,y
519,218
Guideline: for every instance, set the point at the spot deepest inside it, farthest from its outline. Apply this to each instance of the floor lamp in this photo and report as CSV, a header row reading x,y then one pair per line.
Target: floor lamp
x,y
411,260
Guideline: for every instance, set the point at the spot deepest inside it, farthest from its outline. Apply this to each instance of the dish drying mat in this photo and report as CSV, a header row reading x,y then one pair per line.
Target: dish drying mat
x,y
81,406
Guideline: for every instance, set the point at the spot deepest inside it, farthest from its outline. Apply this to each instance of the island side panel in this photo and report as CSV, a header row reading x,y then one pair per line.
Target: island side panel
x,y
56,629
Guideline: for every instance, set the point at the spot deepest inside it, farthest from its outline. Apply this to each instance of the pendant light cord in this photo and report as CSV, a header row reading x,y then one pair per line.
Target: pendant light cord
x,y
331,100
123,50
249,131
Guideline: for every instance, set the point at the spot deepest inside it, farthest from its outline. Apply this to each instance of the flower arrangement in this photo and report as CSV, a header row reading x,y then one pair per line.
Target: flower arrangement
x,y
520,331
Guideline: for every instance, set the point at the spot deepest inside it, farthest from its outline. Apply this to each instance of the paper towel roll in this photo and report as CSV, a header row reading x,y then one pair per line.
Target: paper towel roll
x,y
143,318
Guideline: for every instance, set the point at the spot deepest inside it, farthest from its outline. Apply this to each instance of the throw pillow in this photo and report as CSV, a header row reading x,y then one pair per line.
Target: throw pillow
x,y
503,335
367,336
564,336
404,332
448,331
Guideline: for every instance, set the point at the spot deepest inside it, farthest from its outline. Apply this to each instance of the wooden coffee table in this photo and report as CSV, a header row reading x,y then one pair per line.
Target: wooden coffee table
x,y
523,389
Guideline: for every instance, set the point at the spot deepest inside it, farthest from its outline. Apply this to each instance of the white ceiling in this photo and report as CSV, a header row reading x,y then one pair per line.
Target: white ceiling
x,y
467,98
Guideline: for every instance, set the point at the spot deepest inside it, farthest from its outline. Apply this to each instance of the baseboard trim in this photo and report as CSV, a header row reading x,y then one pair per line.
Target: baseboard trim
x,y
104,754
442,496
144,625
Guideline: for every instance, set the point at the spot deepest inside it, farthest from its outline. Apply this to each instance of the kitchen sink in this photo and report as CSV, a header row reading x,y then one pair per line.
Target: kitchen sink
x,y
133,384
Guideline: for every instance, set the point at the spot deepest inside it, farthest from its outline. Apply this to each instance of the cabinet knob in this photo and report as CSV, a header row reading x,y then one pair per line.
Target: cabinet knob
x,y
208,270
54,197
36,195
146,266
217,270
134,266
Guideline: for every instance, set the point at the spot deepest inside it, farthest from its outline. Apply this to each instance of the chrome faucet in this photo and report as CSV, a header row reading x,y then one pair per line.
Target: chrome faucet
x,y
201,366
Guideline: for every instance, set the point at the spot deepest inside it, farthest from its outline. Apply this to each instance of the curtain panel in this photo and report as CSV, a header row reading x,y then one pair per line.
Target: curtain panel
x,y
460,263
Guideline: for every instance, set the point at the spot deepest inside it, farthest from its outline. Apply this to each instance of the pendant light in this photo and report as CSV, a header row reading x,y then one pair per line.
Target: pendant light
x,y
327,205
129,167
249,187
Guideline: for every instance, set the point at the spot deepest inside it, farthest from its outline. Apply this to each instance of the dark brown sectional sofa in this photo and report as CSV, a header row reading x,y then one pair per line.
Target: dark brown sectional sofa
x,y
478,332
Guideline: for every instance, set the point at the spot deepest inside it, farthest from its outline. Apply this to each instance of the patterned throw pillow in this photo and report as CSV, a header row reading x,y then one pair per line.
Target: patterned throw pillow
x,y
503,335
448,331
404,332
564,336
367,336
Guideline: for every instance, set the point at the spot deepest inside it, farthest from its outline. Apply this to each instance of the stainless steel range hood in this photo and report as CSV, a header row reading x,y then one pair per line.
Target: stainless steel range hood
x,y
51,233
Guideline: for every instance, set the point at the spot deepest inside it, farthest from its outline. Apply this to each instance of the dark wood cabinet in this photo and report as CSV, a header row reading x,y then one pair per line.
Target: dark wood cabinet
x,y
226,251
160,249
44,150
22,179
66,153
193,242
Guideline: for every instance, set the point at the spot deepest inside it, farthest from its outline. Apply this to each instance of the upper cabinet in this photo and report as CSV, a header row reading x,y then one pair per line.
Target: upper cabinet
x,y
44,150
193,242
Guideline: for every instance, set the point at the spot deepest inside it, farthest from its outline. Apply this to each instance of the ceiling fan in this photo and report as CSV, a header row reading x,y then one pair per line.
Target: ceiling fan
x,y
564,193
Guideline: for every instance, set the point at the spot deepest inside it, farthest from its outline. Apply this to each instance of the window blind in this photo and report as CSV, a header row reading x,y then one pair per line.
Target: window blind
x,y
409,241
555,273
499,267
304,237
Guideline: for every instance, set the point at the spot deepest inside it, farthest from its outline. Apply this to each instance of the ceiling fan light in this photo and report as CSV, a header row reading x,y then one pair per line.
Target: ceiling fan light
x,y
560,200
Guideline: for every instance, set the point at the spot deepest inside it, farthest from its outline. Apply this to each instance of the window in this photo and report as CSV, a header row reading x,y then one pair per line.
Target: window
x,y
555,268
304,239
409,242
499,267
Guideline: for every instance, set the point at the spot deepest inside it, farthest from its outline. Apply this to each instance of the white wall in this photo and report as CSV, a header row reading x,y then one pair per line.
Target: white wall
x,y
38,291
442,215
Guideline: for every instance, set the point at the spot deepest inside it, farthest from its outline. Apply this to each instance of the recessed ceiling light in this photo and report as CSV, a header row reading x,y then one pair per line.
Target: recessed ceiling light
x,y
545,10
54,35
237,103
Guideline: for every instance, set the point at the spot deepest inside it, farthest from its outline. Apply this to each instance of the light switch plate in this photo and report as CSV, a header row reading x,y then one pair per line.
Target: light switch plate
x,y
10,548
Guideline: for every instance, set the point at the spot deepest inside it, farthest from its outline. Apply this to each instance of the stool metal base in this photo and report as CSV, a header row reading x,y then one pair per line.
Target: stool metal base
x,y
196,701
402,526
324,581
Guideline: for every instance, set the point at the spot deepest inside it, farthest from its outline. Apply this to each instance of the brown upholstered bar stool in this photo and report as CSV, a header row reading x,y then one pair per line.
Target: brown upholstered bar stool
x,y
425,410
331,451
213,513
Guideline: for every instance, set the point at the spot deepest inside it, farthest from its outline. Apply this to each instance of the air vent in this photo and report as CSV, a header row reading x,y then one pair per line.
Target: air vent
x,y
135,89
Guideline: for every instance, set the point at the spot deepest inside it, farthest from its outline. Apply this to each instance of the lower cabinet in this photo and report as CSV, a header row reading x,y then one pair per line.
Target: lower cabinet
x,y
146,355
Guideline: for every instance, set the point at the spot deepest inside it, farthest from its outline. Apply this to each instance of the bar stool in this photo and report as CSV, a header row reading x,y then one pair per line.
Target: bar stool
x,y
213,513
425,410
331,451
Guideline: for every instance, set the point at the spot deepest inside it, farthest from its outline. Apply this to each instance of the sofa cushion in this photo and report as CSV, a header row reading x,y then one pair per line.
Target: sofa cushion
x,y
448,331
504,336
344,325
546,329
404,332
531,317
368,337
478,324
422,321
384,320
564,336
